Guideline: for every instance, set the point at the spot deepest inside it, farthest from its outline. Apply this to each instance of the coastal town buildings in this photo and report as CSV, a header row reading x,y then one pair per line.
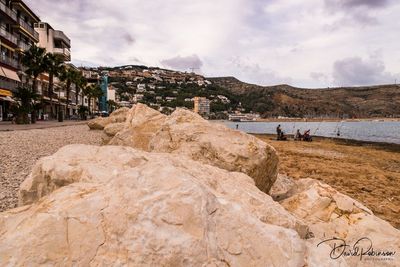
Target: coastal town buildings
x,y
17,35
201,105
20,28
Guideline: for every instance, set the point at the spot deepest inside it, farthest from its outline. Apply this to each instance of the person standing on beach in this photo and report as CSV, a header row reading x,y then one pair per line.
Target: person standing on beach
x,y
278,132
237,126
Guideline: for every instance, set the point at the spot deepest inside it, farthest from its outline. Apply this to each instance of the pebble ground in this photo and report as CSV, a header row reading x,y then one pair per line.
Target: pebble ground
x,y
19,151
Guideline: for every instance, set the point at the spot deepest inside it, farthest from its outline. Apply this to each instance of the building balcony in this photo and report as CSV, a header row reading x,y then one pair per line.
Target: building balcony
x,y
5,9
23,46
9,61
63,52
29,29
5,34
61,36
8,85
46,93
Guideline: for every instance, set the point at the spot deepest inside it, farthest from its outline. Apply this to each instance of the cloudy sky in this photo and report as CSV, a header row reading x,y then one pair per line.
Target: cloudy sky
x,y
312,43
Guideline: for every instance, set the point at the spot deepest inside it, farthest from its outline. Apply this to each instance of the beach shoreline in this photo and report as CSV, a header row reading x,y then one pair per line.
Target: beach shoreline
x,y
366,171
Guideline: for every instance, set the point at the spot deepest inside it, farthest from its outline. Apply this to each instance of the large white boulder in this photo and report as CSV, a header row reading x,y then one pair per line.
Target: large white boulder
x,y
141,125
118,116
331,214
120,206
187,133
112,205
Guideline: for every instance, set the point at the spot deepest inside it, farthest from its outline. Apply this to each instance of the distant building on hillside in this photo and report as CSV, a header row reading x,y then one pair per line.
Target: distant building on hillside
x,y
111,93
201,105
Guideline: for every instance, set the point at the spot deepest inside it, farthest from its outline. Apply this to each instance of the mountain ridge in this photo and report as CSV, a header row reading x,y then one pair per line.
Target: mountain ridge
x,y
286,100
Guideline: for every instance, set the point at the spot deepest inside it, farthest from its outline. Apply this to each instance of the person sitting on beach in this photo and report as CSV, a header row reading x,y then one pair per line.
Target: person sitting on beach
x,y
282,136
278,132
298,136
307,136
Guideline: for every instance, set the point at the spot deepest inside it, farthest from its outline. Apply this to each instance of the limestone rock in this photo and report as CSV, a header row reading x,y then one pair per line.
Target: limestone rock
x,y
111,130
141,125
282,188
330,214
117,116
120,112
186,133
117,205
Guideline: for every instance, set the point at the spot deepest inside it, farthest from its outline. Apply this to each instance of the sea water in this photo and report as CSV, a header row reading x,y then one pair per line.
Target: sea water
x,y
375,131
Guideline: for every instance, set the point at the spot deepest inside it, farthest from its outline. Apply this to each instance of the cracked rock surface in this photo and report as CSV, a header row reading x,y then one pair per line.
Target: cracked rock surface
x,y
102,205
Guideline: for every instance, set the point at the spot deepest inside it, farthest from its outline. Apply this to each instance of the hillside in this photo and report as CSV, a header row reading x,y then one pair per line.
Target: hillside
x,y
285,100
165,90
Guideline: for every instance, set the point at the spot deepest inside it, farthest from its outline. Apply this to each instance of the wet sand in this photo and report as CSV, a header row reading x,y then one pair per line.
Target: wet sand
x,y
368,172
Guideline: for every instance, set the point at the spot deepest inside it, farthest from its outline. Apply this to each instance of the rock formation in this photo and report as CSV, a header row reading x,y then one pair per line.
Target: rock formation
x,y
141,125
196,205
107,205
331,214
100,123
186,133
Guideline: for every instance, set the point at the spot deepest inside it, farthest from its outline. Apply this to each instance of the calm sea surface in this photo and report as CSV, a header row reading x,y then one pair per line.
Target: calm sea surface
x,y
366,131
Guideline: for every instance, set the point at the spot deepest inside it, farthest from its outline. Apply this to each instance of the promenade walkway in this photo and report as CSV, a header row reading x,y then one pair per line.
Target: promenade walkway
x,y
8,126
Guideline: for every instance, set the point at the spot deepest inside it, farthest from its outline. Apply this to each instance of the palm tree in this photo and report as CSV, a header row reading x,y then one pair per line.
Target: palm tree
x,y
80,83
25,97
92,91
33,60
54,67
69,76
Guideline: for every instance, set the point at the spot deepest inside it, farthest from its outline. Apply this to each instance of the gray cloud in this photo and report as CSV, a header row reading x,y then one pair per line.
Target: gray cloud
x,y
357,71
319,76
128,38
344,4
361,12
183,63
245,70
277,41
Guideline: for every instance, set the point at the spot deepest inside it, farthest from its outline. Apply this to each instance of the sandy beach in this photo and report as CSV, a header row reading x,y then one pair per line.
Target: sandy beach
x,y
368,172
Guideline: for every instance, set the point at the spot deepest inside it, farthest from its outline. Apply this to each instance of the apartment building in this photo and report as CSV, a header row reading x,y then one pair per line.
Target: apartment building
x,y
201,105
17,34
54,41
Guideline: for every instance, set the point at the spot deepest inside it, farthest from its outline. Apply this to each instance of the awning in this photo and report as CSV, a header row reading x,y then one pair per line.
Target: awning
x,y
7,98
10,74
5,92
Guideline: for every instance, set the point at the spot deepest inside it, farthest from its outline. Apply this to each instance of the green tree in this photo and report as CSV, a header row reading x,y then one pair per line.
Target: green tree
x,y
92,91
69,76
80,83
25,97
34,61
54,67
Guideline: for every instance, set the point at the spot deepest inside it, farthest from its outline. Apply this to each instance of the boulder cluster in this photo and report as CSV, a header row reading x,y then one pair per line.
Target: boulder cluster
x,y
181,191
